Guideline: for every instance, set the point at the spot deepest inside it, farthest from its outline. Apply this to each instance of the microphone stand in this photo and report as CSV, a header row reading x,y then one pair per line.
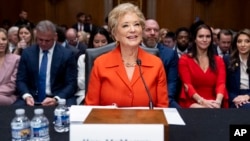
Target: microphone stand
x,y
151,105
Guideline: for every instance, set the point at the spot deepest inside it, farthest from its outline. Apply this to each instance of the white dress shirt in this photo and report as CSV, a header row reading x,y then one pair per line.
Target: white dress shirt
x,y
220,53
81,79
80,27
244,77
180,53
12,47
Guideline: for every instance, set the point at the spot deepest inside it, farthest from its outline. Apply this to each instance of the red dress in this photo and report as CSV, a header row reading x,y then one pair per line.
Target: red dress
x,y
206,83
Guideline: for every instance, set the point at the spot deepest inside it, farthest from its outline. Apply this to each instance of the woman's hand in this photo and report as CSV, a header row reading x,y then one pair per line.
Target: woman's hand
x,y
210,103
22,44
240,100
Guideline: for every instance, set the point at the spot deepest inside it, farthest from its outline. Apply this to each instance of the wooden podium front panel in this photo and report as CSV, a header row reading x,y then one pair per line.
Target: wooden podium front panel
x,y
128,116
132,116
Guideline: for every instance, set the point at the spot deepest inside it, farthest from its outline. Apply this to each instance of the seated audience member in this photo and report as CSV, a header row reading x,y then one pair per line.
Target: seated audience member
x,y
25,38
72,40
115,77
168,56
79,26
203,74
47,71
83,37
225,38
169,40
5,24
13,38
8,69
162,34
23,20
88,25
61,40
98,38
105,26
197,22
60,35
238,69
182,41
215,36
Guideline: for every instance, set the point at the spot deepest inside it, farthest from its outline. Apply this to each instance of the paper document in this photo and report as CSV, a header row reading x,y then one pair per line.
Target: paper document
x,y
173,117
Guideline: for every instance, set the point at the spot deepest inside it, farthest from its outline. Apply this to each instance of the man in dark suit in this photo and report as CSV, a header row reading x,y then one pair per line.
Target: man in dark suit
x,y
168,56
72,40
225,39
182,41
88,25
24,20
46,84
79,26
61,38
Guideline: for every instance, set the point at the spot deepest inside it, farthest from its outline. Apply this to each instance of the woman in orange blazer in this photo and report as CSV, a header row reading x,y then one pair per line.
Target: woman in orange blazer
x,y
115,77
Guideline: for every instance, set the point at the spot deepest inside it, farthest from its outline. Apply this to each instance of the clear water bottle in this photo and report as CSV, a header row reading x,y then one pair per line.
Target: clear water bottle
x,y
39,126
20,126
61,120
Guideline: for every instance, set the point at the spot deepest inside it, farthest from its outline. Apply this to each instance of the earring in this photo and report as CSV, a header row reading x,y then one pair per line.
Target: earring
x,y
117,43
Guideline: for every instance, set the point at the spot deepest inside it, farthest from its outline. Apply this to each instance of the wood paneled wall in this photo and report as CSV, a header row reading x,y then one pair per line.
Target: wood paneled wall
x,y
171,14
231,14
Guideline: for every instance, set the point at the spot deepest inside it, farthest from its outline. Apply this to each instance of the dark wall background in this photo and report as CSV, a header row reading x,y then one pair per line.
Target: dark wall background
x,y
233,14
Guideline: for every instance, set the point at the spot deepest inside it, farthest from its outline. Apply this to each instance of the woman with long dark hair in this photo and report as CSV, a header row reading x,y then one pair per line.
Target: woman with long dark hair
x,y
202,74
25,38
98,38
238,69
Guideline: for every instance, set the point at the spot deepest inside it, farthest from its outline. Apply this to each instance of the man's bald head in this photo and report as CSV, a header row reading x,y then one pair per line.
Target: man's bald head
x,y
71,36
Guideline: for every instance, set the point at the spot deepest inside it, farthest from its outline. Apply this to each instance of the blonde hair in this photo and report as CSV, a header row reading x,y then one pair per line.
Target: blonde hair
x,y
120,11
6,34
84,38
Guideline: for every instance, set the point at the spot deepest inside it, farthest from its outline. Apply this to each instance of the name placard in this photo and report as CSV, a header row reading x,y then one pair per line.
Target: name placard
x,y
116,132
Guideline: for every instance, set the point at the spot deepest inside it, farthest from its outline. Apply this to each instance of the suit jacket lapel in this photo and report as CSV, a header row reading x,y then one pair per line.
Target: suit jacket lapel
x,y
55,63
123,76
35,63
237,75
118,67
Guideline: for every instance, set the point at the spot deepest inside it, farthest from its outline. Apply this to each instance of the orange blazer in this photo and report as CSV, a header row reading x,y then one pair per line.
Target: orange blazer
x,y
109,84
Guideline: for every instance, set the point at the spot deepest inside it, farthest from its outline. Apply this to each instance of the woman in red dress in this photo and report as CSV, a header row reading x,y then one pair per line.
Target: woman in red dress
x,y
203,74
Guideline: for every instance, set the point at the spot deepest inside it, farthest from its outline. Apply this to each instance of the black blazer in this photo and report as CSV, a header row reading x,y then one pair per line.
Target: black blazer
x,y
233,80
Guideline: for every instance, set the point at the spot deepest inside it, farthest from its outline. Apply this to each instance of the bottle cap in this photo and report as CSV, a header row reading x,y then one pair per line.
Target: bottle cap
x,y
38,111
20,111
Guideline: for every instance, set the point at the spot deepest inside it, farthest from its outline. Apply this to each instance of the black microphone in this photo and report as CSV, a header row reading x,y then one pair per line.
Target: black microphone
x,y
151,104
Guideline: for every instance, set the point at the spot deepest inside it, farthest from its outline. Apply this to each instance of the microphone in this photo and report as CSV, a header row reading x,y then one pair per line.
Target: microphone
x,y
151,104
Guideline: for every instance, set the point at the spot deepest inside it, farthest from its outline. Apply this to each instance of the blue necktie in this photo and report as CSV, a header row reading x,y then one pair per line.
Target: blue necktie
x,y
42,77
